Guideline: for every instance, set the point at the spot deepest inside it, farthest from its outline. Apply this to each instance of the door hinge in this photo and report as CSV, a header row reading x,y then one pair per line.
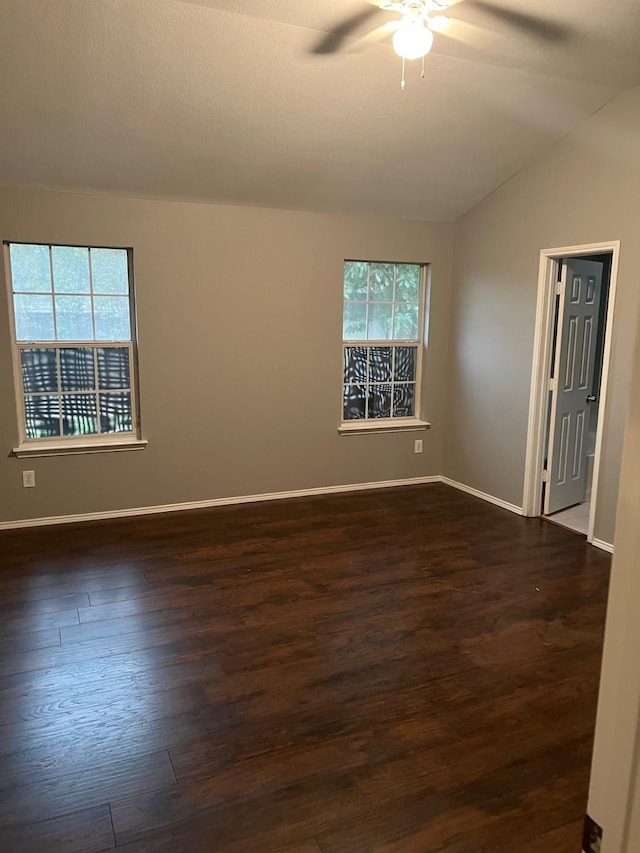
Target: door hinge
x,y
559,288
545,476
553,384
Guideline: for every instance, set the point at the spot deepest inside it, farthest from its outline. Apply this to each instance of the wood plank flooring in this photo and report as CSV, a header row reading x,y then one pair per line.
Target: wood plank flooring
x,y
398,671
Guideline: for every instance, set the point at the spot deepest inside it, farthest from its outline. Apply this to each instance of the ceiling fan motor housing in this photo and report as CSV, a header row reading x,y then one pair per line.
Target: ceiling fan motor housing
x,y
414,8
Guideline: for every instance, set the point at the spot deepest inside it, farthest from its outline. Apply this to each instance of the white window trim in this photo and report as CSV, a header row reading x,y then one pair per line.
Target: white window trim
x,y
365,426
74,448
72,445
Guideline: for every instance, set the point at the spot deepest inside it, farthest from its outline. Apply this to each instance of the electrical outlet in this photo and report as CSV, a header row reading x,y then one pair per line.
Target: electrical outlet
x,y
29,479
417,447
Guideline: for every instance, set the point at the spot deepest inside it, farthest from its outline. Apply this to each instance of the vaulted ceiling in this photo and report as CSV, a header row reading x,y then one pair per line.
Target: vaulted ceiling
x,y
224,100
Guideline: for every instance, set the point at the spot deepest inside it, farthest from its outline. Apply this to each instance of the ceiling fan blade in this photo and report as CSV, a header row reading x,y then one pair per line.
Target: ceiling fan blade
x,y
536,25
378,34
332,41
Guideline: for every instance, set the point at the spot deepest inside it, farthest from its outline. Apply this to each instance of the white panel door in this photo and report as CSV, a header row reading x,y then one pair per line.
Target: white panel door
x,y
572,383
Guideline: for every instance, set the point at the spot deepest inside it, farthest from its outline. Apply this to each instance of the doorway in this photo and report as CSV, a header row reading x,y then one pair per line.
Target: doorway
x,y
576,297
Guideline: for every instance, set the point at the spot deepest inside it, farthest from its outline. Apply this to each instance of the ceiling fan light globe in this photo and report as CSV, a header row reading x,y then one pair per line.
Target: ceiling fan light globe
x,y
412,40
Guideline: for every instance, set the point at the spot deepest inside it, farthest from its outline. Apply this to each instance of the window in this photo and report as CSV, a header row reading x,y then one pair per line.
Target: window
x,y
383,320
74,345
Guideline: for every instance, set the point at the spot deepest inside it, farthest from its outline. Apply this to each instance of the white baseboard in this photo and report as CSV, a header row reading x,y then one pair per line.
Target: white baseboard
x,y
605,546
271,496
241,499
597,543
482,495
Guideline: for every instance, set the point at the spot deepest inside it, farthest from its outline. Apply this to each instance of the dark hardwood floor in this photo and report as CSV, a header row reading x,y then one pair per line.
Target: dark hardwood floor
x,y
409,670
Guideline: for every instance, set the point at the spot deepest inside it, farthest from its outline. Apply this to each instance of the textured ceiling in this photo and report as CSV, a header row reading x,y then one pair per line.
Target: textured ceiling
x,y
221,100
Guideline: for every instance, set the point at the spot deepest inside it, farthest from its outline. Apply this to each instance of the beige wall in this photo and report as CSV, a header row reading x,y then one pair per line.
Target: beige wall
x,y
614,792
586,190
239,313
633,843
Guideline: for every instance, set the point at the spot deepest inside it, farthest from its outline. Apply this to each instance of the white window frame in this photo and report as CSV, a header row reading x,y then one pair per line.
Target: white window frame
x,y
70,445
410,424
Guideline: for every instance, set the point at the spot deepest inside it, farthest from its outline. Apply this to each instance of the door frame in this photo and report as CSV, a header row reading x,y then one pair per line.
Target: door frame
x,y
541,372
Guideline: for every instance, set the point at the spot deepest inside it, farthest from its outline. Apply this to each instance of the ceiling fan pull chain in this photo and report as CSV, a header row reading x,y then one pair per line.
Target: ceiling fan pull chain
x,y
422,72
403,82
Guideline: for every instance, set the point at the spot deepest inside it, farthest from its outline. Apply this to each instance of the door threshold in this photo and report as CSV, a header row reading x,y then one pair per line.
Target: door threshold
x,y
576,518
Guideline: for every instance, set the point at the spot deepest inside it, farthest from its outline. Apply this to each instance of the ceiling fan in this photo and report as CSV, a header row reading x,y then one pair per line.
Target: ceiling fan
x,y
419,19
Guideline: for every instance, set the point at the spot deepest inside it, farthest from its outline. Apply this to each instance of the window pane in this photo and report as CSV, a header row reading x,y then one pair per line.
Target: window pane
x,y
354,402
380,317
115,412
112,318
404,400
407,282
113,368
39,370
110,271
405,322
77,371
355,364
34,318
381,283
42,416
70,269
380,364
355,281
380,401
30,268
355,321
405,364
79,414
73,318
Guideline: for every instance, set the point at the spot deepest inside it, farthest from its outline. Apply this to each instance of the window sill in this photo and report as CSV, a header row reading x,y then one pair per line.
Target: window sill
x,y
365,427
26,451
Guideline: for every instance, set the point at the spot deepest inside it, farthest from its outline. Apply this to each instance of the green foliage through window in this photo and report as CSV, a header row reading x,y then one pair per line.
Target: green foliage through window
x,y
382,303
74,337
